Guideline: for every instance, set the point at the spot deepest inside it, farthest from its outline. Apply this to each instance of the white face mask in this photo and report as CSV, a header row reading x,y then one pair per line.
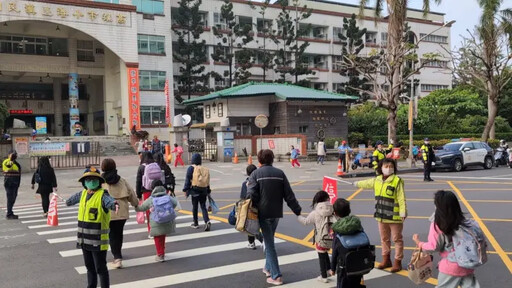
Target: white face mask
x,y
386,171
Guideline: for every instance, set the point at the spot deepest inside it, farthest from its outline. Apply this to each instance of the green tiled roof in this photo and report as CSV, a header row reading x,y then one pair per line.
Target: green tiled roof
x,y
283,91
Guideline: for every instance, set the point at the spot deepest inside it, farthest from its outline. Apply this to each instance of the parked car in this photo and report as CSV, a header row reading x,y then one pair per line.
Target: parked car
x,y
457,156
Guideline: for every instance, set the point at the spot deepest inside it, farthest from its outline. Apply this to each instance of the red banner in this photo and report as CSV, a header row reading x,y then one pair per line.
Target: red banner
x,y
167,103
331,187
134,98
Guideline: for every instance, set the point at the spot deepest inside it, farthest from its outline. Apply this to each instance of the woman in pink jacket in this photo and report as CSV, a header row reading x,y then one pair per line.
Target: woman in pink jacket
x,y
447,219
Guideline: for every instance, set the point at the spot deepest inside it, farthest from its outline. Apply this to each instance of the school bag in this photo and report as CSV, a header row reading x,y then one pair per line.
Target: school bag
x,y
200,177
325,235
152,172
246,217
360,256
163,211
469,246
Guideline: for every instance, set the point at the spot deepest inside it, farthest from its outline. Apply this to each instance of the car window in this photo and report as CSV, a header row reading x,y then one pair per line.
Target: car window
x,y
486,146
452,147
478,145
468,145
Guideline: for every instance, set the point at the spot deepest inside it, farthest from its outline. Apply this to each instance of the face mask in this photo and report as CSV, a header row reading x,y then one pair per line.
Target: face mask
x,y
386,171
426,142
92,184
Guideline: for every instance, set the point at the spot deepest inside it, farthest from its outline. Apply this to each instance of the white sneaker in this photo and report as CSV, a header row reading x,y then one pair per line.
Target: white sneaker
x,y
117,263
160,258
263,246
150,237
251,246
321,279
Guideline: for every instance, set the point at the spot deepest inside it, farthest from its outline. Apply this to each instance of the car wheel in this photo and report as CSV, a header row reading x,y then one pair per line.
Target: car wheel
x,y
457,165
488,163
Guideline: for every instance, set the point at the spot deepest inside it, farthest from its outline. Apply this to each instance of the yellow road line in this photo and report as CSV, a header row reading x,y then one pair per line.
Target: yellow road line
x,y
481,182
297,183
310,234
506,260
428,200
227,206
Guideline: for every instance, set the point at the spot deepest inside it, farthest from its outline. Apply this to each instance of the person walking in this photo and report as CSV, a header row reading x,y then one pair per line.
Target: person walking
x,y
179,151
294,156
378,155
156,145
428,157
169,179
390,211
446,221
12,181
197,185
162,216
322,213
46,182
343,149
93,225
268,187
142,192
124,194
243,195
140,146
321,152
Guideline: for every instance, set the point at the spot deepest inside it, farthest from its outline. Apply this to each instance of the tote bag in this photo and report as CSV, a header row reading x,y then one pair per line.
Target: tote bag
x,y
420,267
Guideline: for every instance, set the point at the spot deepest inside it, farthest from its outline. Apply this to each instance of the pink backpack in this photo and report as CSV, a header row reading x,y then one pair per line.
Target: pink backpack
x,y
152,172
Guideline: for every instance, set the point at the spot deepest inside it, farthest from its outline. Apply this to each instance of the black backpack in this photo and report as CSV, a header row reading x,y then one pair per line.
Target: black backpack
x,y
359,256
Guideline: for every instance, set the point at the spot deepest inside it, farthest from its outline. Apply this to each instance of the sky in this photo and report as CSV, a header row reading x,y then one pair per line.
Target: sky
x,y
465,12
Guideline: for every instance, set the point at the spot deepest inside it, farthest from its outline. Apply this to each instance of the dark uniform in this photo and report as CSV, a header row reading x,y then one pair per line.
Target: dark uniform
x,y
428,158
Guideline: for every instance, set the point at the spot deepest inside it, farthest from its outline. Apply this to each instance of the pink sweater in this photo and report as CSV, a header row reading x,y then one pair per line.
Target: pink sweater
x,y
438,242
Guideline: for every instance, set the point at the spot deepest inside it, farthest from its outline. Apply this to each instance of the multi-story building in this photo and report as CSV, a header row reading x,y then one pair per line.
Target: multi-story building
x,y
103,47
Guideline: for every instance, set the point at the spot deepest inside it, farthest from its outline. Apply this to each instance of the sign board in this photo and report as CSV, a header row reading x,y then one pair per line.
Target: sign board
x,y
271,144
48,149
167,103
261,121
395,154
80,147
20,111
133,97
41,125
330,186
21,145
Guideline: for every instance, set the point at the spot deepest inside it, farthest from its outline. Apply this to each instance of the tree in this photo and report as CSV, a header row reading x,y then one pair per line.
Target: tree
x,y
484,59
232,45
4,113
392,61
189,50
266,32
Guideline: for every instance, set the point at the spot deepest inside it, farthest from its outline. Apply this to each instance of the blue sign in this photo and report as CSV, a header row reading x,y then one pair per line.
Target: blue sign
x,y
41,125
80,147
48,149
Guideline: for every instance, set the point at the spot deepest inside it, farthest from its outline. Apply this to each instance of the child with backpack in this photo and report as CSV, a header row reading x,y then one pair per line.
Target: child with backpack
x,y
459,241
161,218
243,195
294,156
350,261
197,185
323,218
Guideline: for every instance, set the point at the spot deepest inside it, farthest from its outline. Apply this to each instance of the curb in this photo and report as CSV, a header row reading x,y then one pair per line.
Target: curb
x,y
372,173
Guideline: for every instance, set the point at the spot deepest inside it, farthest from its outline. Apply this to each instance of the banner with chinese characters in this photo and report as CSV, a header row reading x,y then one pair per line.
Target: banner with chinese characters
x,y
167,103
134,100
331,187
48,149
74,112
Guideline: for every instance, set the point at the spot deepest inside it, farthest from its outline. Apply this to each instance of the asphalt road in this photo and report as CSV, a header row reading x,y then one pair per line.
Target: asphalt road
x,y
35,255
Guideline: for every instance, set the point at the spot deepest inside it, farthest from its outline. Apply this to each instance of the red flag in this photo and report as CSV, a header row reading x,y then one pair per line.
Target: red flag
x,y
53,219
331,187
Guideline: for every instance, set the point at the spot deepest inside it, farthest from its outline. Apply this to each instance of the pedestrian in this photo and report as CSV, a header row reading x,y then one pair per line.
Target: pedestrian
x,y
346,225
343,149
378,155
197,185
12,180
243,195
46,182
428,157
169,179
446,221
140,146
321,215
93,225
156,145
162,217
390,211
145,145
179,151
321,152
268,187
124,194
142,192
294,157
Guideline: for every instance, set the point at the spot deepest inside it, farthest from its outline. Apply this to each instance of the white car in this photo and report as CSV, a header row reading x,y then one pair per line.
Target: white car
x,y
459,155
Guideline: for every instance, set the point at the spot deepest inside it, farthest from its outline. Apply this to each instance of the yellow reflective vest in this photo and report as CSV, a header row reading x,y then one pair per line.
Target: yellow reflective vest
x,y
93,222
425,151
390,205
377,157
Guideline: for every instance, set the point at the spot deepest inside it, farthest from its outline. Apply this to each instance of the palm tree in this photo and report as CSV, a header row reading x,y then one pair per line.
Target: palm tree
x,y
397,10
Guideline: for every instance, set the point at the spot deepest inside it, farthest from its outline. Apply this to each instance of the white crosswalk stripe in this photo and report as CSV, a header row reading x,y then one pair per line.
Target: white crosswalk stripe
x,y
40,212
375,273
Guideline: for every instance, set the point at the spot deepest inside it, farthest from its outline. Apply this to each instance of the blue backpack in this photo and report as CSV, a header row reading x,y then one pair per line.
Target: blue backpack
x,y
163,210
359,257
469,246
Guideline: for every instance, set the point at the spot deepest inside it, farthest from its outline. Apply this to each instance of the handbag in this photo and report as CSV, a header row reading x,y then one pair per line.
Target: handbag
x,y
141,216
232,216
213,205
37,177
420,267
246,217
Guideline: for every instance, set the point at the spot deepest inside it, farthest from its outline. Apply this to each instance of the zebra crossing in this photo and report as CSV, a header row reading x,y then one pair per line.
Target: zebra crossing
x,y
194,258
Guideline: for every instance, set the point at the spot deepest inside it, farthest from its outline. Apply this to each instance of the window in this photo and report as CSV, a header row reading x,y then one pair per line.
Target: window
x,y
24,45
152,115
218,21
336,31
432,87
337,87
264,25
243,128
84,50
207,112
152,80
319,33
371,37
244,21
384,38
150,44
303,129
320,86
435,63
319,62
337,63
154,7
434,38
277,130
220,112
221,83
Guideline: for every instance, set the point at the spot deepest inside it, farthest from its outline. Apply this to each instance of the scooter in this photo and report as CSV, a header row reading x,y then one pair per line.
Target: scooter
x,y
361,160
501,157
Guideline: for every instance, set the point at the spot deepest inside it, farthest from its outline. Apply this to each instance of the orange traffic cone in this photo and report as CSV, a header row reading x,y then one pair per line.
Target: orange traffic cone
x,y
249,160
339,172
53,218
235,159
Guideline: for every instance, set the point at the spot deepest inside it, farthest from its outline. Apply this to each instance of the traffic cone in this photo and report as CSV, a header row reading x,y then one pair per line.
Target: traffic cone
x,y
168,153
235,159
53,218
339,172
249,160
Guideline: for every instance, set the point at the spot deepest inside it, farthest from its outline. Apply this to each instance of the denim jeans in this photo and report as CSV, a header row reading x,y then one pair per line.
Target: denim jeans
x,y
268,228
199,200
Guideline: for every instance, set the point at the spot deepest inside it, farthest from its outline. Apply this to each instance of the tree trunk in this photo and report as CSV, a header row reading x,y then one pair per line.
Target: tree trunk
x,y
492,107
392,123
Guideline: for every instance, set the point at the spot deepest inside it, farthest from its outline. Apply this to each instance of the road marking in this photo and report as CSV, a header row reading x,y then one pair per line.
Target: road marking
x,y
484,228
41,212
298,183
45,219
227,206
216,271
180,254
375,273
431,200
149,242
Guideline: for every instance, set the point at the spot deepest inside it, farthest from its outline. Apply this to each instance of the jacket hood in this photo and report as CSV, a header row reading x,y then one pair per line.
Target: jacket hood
x,y
111,177
347,225
324,208
196,159
158,191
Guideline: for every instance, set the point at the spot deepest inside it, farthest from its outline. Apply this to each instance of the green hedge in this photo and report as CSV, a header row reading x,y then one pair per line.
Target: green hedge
x,y
507,136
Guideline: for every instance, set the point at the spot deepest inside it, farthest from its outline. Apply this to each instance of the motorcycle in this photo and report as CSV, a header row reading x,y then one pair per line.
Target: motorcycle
x,y
361,160
502,157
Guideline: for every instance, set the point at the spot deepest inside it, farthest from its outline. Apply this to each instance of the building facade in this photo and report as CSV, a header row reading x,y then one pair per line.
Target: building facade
x,y
105,63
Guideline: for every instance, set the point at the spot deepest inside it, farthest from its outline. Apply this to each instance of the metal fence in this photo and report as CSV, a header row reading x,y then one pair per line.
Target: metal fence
x,y
71,160
207,150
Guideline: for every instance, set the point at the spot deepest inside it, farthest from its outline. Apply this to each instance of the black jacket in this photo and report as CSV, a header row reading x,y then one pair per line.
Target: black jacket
x,y
48,180
267,187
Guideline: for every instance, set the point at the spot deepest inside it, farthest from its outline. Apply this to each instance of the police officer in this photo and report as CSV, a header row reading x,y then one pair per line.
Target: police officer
x,y
12,179
428,158
378,154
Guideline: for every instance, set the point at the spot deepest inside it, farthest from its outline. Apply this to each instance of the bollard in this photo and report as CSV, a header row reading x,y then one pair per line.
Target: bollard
x,y
168,155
